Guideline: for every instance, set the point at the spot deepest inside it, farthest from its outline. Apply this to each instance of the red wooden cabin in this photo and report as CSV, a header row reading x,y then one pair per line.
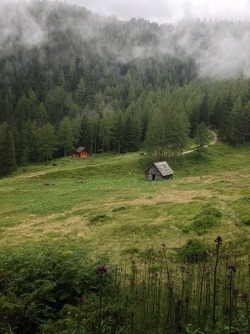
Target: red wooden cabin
x,y
81,152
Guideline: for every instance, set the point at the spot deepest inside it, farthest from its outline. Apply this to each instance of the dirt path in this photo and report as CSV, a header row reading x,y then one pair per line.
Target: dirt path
x,y
213,141
37,174
27,176
215,138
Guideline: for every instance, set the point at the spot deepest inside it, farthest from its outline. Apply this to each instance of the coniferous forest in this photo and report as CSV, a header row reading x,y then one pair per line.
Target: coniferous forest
x,y
91,248
70,77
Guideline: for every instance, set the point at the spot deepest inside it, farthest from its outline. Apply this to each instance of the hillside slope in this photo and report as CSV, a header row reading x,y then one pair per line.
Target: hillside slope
x,y
105,202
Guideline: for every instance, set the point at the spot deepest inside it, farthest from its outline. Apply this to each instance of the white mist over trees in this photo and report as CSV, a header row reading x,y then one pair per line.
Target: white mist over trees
x,y
169,11
110,85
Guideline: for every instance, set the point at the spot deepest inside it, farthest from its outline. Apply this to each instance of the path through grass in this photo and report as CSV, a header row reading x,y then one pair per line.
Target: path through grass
x,y
105,202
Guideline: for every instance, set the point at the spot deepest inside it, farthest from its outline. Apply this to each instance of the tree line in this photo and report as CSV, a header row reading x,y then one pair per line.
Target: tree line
x,y
82,85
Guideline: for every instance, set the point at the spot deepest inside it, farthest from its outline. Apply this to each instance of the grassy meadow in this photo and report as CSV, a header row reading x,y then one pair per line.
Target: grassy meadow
x,y
90,247
103,202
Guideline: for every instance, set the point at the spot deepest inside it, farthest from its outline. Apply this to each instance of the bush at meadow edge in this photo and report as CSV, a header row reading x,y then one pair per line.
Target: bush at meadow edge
x,y
60,288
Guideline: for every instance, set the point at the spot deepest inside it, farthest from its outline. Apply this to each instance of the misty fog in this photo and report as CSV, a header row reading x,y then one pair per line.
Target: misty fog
x,y
221,48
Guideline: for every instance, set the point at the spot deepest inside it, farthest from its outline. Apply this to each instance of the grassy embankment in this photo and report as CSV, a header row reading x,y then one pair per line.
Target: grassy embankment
x,y
104,202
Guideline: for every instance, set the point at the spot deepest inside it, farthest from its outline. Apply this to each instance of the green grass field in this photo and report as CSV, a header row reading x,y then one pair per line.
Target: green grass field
x,y
105,203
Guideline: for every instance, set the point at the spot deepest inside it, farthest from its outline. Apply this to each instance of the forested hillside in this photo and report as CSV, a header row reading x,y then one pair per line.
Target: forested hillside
x,y
70,77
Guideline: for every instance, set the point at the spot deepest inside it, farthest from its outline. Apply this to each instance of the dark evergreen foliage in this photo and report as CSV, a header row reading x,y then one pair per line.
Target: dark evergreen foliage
x,y
110,80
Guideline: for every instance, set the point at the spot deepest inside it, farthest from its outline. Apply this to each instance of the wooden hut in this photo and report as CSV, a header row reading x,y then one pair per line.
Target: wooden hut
x,y
81,152
159,171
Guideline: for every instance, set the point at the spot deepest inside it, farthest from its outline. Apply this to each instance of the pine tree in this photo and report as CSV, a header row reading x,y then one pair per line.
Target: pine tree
x,y
201,137
119,131
105,130
80,93
94,124
204,110
30,129
22,149
7,150
84,135
46,143
156,141
66,136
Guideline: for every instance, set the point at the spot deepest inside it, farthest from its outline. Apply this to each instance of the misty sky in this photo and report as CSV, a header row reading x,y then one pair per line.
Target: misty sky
x,y
169,10
162,11
226,54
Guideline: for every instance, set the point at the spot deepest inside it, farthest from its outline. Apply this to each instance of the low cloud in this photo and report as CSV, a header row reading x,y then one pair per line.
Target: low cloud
x,y
170,11
18,24
221,49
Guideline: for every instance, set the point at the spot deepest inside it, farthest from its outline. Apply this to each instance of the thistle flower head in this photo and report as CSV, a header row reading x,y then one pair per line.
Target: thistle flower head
x,y
102,269
243,296
155,275
231,267
218,240
170,284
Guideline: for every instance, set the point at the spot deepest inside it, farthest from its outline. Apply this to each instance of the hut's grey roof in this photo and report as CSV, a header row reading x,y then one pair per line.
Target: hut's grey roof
x,y
80,149
163,167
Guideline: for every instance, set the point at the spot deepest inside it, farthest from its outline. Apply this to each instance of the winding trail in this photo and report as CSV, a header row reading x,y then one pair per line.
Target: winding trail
x,y
37,174
213,141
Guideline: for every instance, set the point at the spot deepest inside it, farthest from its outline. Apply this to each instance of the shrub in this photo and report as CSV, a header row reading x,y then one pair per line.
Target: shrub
x,y
36,283
60,288
203,222
194,250
212,211
98,218
206,219
119,208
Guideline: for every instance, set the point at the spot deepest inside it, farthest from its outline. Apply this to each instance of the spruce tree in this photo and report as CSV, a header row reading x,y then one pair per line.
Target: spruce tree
x,y
201,137
66,136
7,150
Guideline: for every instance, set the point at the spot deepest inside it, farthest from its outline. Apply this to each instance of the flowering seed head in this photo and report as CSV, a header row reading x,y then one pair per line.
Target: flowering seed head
x,y
243,296
101,269
231,267
218,240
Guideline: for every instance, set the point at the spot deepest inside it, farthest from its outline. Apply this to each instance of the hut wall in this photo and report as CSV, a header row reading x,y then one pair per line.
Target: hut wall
x,y
83,154
153,174
167,177
148,177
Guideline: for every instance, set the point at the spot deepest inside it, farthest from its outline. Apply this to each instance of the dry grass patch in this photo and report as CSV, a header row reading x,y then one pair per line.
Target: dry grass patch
x,y
121,211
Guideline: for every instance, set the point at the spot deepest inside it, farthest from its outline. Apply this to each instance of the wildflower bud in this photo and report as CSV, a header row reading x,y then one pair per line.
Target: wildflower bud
x,y
155,275
108,313
231,267
218,240
169,285
243,296
101,269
